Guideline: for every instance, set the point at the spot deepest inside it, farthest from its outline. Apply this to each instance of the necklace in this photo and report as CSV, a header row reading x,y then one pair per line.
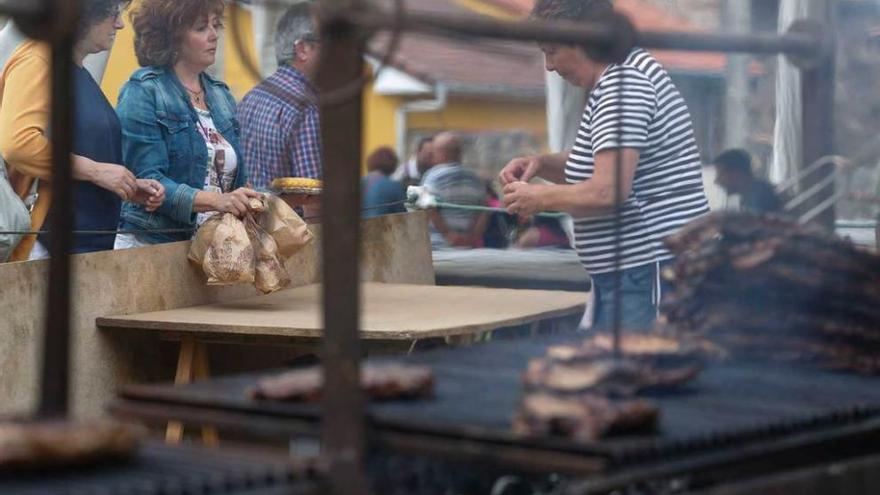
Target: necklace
x,y
197,96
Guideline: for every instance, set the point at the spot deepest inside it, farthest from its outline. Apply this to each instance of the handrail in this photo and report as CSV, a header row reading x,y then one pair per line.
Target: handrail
x,y
812,190
789,183
820,208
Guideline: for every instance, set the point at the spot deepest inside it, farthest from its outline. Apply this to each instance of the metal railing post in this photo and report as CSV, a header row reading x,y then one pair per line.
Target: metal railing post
x,y
343,405
817,140
55,376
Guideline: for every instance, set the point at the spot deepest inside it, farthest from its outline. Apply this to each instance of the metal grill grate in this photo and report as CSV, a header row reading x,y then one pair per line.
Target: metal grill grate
x,y
159,470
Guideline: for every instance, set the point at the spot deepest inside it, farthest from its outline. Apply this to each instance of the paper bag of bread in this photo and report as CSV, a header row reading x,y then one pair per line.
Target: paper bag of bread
x,y
202,240
269,274
224,251
290,232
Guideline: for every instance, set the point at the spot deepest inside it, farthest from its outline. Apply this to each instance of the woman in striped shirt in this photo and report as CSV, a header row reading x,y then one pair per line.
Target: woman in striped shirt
x,y
634,116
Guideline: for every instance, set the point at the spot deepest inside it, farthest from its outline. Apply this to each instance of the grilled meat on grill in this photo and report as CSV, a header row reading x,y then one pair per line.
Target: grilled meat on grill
x,y
605,376
742,276
65,444
585,417
650,350
379,382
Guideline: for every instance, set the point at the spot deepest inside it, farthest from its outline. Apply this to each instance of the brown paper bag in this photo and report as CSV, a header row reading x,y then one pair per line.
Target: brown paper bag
x,y
270,274
202,240
290,232
229,257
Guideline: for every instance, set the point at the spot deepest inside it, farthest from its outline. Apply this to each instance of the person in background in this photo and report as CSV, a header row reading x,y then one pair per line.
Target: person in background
x,y
381,195
410,172
497,235
735,175
280,122
450,182
101,183
637,124
178,122
543,232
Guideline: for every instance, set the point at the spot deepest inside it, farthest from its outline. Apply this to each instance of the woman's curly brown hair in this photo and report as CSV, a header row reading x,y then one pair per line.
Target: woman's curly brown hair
x,y
159,26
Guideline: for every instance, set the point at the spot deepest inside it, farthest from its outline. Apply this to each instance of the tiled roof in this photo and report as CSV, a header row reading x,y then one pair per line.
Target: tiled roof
x,y
479,66
513,69
647,16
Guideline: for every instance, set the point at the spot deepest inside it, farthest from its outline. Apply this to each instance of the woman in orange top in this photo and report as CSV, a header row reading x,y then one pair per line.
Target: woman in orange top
x,y
101,182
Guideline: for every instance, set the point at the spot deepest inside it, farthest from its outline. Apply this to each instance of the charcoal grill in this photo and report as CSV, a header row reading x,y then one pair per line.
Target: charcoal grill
x,y
160,470
343,50
738,413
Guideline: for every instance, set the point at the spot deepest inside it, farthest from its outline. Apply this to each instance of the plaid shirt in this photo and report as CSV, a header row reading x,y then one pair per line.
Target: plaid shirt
x,y
281,134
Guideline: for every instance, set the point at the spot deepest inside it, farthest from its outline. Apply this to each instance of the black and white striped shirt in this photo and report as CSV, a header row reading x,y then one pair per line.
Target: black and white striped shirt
x,y
667,190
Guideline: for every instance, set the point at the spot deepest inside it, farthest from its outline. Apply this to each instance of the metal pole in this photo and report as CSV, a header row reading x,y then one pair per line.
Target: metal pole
x,y
375,18
23,8
617,314
56,340
788,44
737,18
817,121
343,405
600,35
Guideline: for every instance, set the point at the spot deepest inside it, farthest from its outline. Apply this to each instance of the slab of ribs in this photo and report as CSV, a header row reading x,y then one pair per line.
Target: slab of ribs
x,y
582,391
38,445
770,286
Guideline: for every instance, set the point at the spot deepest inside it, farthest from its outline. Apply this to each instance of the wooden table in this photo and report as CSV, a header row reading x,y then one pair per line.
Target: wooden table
x,y
390,313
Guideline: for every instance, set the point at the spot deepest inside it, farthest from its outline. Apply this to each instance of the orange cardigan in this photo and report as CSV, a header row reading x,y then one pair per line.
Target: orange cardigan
x,y
24,120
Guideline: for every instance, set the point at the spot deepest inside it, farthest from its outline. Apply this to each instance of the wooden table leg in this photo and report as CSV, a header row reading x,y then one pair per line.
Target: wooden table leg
x,y
192,363
201,370
185,360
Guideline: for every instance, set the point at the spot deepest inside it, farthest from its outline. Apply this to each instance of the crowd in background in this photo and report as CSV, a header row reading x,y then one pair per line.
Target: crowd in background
x,y
178,148
436,165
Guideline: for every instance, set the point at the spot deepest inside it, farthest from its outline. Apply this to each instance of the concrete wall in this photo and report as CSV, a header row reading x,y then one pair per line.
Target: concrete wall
x,y
395,249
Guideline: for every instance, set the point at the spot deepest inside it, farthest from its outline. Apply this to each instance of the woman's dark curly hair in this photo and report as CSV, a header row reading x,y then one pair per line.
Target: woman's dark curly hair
x,y
94,12
383,159
159,26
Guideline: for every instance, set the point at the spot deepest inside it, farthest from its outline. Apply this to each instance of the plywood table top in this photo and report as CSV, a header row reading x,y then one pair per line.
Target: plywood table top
x,y
388,312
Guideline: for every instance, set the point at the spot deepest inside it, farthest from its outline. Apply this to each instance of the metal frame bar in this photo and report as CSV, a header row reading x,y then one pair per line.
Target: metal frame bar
x,y
24,8
599,34
614,40
343,405
343,422
54,378
817,123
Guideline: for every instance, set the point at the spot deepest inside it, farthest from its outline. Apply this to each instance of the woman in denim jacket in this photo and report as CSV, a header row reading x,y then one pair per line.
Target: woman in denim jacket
x,y
179,124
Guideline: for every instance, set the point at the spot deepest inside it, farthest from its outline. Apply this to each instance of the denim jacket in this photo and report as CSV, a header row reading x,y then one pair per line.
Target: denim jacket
x,y
161,141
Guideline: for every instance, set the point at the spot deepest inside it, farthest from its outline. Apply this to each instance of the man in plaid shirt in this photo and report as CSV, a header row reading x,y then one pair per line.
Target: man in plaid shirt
x,y
280,124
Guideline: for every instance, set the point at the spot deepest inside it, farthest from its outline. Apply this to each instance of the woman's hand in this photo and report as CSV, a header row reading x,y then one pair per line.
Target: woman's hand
x,y
521,169
523,199
235,202
116,179
150,193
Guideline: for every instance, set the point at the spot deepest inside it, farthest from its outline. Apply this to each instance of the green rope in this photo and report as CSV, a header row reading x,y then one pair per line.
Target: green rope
x,y
453,206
